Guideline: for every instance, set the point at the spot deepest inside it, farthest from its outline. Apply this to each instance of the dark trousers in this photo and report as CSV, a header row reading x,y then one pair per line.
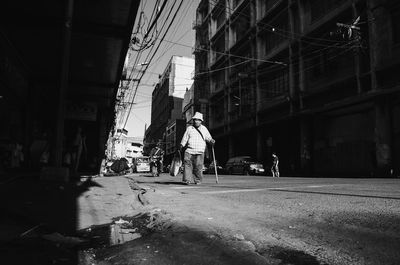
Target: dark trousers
x,y
193,165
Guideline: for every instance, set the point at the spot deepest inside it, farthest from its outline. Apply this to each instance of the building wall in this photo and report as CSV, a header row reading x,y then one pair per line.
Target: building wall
x,y
284,71
174,133
181,76
167,97
188,104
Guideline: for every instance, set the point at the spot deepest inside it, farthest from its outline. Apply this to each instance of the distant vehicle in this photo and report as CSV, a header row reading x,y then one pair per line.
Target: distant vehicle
x,y
141,164
120,165
245,165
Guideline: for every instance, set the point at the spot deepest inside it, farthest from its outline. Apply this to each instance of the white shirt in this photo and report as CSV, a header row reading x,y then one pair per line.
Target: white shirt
x,y
194,141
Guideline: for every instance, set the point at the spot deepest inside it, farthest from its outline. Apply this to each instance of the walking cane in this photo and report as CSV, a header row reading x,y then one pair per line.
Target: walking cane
x,y
215,165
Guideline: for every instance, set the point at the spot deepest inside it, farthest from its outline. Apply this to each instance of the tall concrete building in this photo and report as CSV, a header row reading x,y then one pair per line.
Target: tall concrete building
x,y
315,81
188,106
167,98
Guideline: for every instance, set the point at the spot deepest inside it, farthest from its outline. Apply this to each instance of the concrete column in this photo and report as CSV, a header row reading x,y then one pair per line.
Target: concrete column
x,y
292,92
305,145
59,135
357,55
383,139
379,26
302,78
260,145
57,172
302,74
380,50
231,146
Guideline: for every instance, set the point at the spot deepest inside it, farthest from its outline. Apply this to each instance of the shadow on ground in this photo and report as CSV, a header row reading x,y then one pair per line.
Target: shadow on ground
x,y
289,256
162,241
35,214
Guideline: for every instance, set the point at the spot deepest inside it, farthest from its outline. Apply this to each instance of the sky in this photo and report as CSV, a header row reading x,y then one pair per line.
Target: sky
x,y
180,32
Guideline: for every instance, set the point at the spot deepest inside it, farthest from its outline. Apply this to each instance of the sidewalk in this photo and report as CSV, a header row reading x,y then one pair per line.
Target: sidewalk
x,y
42,219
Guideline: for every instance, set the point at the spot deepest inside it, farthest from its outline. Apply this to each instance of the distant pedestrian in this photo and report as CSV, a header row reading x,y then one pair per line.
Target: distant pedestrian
x,y
193,145
17,156
78,146
157,157
275,166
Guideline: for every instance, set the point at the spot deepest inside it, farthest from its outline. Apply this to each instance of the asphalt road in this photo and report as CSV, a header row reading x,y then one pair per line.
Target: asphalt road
x,y
329,220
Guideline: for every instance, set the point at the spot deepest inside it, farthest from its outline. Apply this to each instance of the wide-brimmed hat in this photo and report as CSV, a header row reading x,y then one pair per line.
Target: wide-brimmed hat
x,y
198,116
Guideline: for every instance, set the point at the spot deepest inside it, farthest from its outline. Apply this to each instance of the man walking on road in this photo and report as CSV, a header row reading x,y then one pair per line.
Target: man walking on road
x,y
194,145
275,167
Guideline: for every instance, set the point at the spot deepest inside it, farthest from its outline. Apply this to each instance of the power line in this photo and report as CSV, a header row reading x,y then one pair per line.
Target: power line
x,y
271,28
131,93
223,68
156,18
172,20
232,55
308,68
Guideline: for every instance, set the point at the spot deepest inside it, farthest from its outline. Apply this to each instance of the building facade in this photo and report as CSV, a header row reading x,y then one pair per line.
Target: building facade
x,y
167,98
122,146
173,136
188,106
63,82
288,76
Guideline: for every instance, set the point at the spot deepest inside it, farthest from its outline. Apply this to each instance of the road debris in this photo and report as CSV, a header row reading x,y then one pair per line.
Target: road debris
x,y
121,221
239,236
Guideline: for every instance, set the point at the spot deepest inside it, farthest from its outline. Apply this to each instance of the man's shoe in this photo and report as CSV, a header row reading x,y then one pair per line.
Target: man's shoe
x,y
185,182
198,183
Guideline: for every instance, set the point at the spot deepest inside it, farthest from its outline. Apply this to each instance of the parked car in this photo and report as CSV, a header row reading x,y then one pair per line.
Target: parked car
x,y
245,165
141,164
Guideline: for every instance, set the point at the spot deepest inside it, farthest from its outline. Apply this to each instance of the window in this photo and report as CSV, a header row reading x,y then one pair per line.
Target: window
x,y
218,81
396,24
273,38
217,112
275,84
242,24
330,63
219,47
221,19
320,8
